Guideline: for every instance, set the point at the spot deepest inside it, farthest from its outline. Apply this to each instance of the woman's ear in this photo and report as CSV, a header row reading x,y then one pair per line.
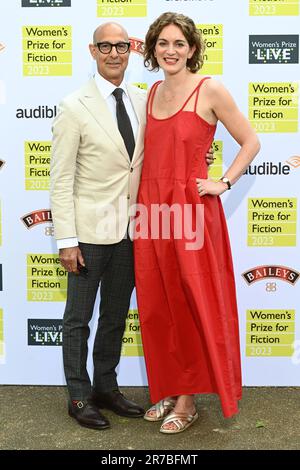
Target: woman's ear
x,y
191,53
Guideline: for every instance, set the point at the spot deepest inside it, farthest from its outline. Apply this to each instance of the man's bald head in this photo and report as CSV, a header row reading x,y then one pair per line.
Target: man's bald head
x,y
111,65
109,28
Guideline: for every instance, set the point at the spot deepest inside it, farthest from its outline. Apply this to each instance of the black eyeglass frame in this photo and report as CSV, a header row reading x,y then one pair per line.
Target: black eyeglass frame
x,y
99,44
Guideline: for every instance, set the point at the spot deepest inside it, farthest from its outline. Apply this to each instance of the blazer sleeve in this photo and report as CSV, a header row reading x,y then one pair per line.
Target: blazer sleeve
x,y
65,144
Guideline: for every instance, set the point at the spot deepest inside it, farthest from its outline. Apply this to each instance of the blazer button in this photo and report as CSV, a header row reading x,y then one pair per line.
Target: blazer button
x,y
128,196
131,170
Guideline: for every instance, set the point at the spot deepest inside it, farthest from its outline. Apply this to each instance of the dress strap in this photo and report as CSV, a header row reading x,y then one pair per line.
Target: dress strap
x,y
197,91
151,97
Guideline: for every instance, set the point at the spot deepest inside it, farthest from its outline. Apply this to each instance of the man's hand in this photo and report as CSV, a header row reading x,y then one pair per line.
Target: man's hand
x,y
70,257
209,157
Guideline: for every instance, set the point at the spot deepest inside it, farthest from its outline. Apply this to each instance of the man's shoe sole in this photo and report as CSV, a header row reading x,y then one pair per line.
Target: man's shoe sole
x,y
86,425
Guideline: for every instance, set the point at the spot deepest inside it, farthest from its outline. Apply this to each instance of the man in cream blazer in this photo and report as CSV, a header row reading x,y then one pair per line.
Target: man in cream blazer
x,y
94,181
93,178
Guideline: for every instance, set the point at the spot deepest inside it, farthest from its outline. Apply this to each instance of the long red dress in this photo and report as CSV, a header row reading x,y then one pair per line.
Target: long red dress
x,y
186,298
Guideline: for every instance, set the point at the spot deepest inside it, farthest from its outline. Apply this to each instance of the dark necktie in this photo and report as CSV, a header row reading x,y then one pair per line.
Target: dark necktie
x,y
124,123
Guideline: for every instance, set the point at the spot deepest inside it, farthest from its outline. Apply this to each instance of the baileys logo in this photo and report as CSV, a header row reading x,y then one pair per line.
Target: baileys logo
x,y
282,273
37,217
136,45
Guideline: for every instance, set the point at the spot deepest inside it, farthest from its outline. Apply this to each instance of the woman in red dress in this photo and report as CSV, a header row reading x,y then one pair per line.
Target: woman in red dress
x,y
183,266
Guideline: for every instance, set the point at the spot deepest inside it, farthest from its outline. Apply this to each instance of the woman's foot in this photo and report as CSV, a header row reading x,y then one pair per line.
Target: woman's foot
x,y
161,409
179,421
185,412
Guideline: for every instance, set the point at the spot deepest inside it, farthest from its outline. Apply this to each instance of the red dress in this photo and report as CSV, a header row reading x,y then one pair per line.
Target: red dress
x,y
186,298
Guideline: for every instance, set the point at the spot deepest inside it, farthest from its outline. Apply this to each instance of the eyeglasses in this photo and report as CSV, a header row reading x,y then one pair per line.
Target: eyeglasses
x,y
106,47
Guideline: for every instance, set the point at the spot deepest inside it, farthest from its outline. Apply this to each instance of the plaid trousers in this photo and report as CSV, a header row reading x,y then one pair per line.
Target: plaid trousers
x,y
112,267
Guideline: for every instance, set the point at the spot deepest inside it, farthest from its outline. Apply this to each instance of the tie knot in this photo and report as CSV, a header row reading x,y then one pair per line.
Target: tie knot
x,y
118,93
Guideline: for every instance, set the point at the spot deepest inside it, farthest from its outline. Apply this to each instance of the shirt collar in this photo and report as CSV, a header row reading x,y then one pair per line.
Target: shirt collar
x,y
106,87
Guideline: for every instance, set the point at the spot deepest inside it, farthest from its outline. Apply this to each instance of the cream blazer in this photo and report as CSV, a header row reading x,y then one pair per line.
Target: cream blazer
x,y
93,183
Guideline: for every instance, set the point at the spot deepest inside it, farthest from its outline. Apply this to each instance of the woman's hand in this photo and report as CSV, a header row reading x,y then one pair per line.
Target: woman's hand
x,y
208,186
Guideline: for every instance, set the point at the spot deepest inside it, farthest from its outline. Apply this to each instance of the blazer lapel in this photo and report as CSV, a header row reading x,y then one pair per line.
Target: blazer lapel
x,y
138,101
96,105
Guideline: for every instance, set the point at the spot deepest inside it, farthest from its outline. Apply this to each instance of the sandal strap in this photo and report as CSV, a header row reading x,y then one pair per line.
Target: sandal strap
x,y
162,407
179,419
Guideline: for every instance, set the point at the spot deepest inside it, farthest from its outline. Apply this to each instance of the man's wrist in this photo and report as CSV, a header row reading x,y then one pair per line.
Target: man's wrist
x,y
67,242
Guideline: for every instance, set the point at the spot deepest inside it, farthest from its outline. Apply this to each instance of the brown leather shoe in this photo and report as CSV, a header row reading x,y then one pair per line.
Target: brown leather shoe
x,y
87,415
116,402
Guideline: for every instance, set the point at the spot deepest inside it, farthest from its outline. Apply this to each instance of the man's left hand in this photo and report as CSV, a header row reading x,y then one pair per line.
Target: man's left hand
x,y
209,157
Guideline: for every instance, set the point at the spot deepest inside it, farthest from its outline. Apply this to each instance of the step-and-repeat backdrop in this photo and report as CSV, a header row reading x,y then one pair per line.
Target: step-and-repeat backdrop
x,y
252,46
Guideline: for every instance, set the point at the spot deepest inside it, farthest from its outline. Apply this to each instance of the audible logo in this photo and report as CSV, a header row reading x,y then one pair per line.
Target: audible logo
x,y
37,217
268,169
41,112
259,273
274,7
46,3
121,8
294,161
213,56
272,221
44,332
271,49
51,45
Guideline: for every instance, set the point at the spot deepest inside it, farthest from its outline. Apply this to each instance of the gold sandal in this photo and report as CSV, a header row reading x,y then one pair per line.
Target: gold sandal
x,y
162,409
181,420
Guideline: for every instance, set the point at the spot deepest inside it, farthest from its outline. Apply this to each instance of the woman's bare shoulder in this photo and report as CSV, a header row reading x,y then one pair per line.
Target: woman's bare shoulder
x,y
212,85
215,90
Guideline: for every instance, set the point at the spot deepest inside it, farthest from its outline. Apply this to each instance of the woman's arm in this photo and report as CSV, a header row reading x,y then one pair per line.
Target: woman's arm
x,y
225,109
